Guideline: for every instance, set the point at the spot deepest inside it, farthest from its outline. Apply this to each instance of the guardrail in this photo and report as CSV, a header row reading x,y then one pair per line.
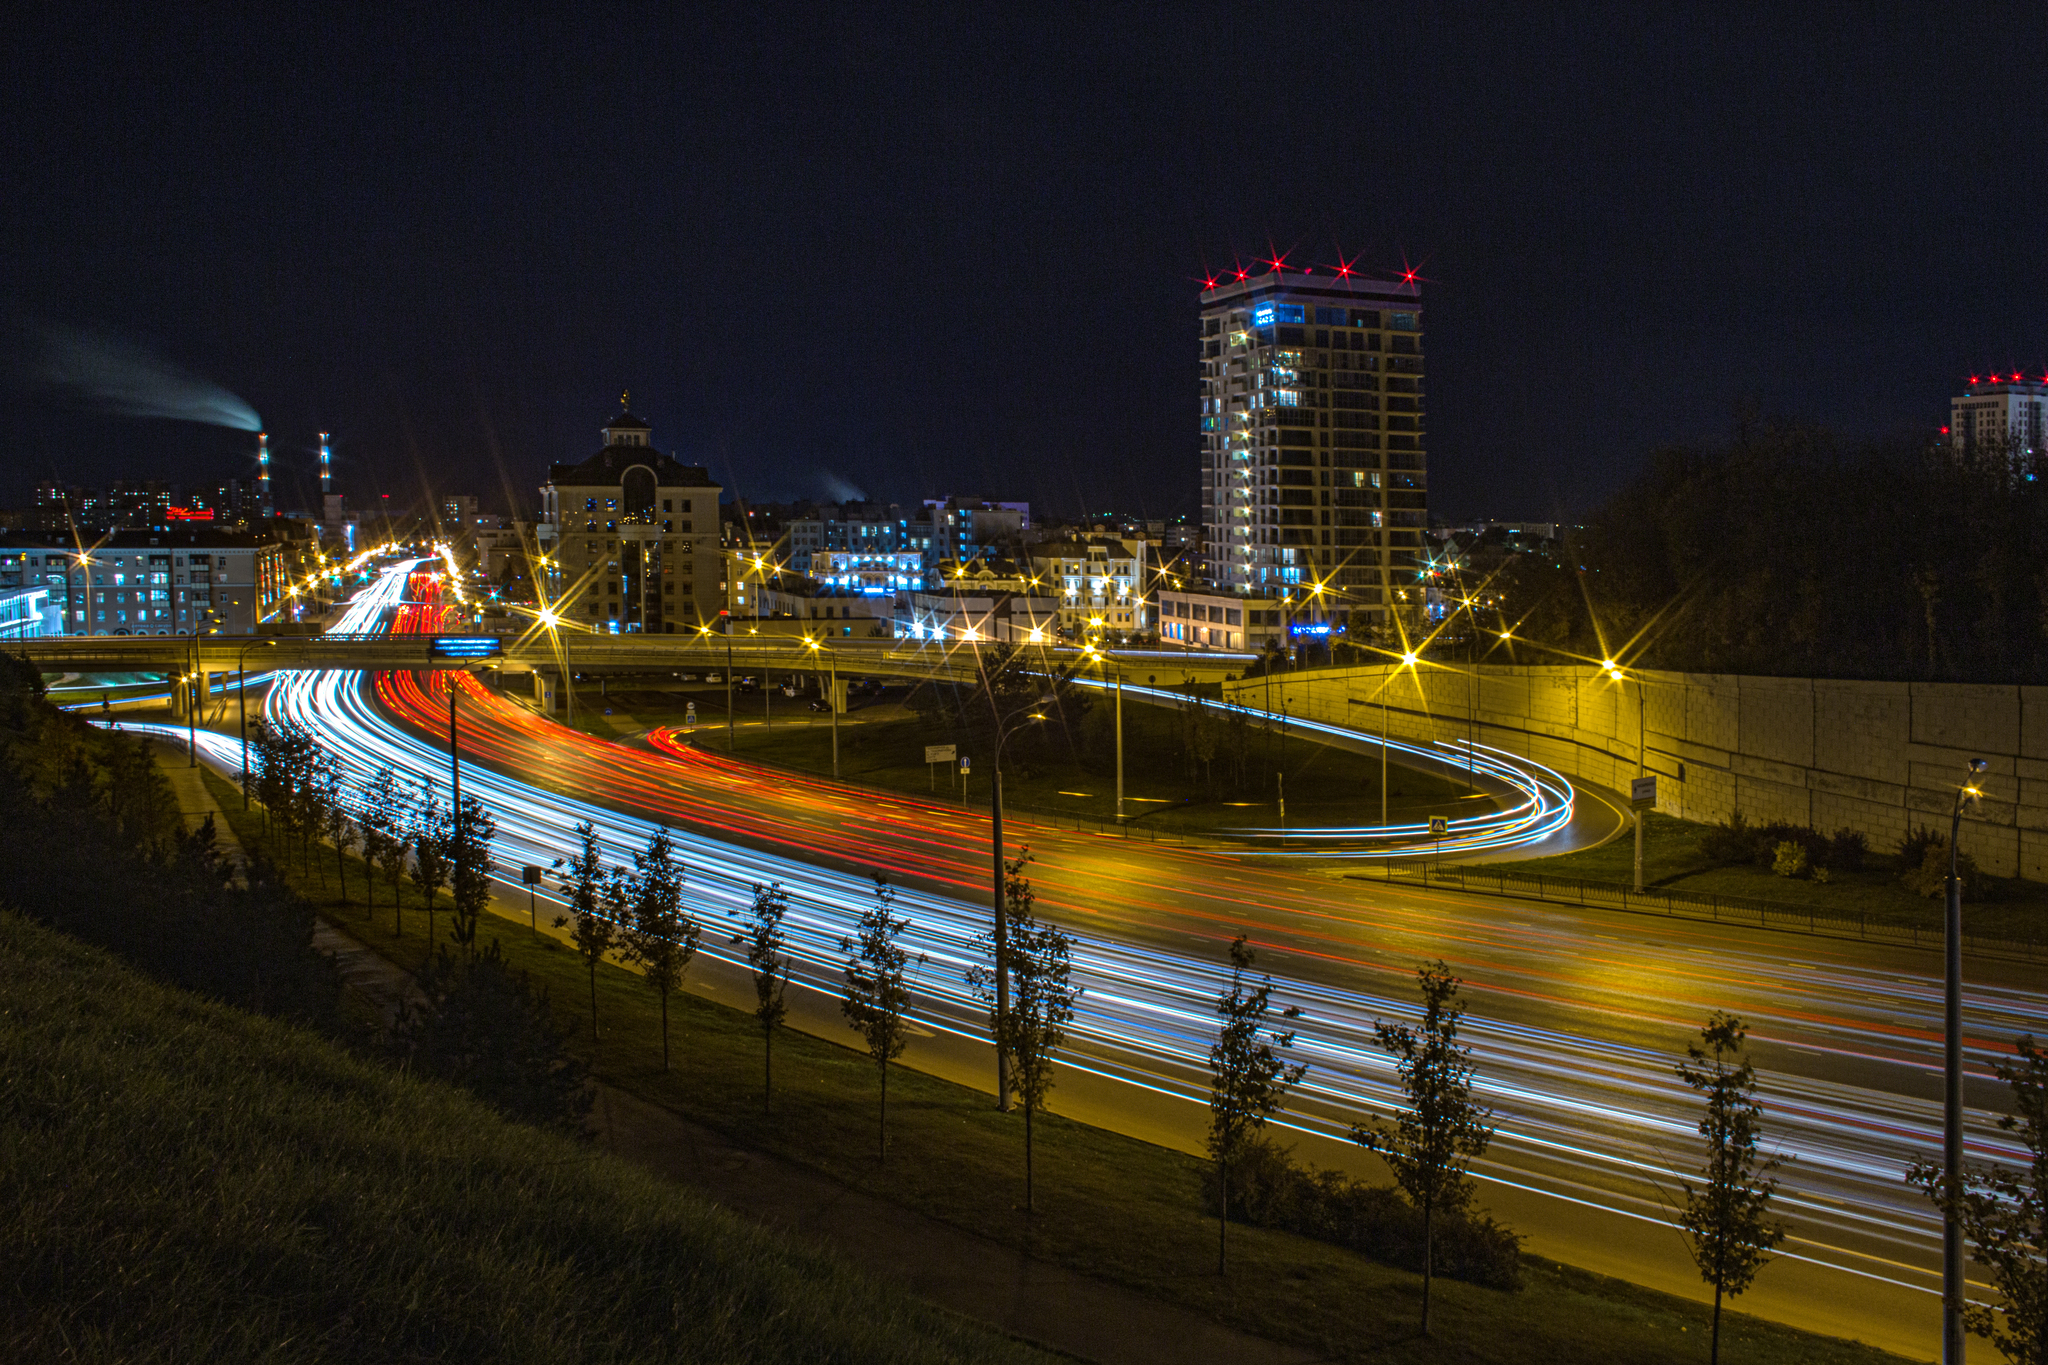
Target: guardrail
x,y
1670,903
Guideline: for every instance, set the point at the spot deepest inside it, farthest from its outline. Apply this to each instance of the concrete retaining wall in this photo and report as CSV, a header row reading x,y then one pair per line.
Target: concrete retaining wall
x,y
1871,756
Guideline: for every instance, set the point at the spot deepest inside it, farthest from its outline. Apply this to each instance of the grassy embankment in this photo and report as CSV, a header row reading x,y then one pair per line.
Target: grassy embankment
x,y
1108,1205
183,1181
1672,860
883,746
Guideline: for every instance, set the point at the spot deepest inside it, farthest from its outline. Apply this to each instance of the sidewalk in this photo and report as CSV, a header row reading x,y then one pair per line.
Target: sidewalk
x,y
978,1278
195,802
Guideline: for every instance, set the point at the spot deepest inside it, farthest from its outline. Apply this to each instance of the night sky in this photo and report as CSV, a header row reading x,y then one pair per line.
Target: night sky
x,y
936,253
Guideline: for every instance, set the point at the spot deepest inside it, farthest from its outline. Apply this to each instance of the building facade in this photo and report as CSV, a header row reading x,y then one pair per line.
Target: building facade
x,y
1099,581
1222,621
631,538
164,582
1313,439
2000,414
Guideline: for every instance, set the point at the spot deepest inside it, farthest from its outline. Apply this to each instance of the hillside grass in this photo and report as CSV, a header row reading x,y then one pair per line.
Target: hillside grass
x,y
1108,1205
182,1181
1672,861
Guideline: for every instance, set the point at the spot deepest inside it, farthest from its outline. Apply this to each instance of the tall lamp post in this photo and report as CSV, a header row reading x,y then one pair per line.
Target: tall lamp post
x,y
1002,936
242,686
1952,1090
831,698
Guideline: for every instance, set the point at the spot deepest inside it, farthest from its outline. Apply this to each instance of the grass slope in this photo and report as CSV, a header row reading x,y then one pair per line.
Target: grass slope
x,y
183,1181
1109,1205
1672,860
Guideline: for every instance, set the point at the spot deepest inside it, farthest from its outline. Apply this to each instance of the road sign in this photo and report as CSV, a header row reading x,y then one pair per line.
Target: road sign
x,y
530,875
465,647
690,713
965,763
941,753
1439,826
1642,793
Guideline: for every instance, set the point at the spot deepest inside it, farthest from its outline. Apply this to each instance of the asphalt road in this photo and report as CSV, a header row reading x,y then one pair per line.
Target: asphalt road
x,y
1576,1016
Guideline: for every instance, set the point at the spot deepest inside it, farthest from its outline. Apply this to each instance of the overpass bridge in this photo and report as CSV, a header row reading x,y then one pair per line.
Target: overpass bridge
x,y
586,655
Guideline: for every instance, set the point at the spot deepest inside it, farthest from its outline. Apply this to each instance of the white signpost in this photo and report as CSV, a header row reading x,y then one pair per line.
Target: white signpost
x,y
1642,796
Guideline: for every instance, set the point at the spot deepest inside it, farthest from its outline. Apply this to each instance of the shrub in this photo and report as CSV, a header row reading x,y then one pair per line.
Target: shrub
x,y
1733,840
1267,1189
482,1026
1913,848
1930,878
1789,859
1846,851
1813,845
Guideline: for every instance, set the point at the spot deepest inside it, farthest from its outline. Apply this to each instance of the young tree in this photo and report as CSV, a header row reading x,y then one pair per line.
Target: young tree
x,y
1430,1145
658,937
1248,1080
876,995
394,852
470,867
1725,1218
380,822
335,823
593,912
768,955
2004,1215
1042,995
432,836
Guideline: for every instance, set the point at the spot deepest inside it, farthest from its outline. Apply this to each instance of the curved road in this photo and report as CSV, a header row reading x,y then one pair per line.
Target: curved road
x,y
1575,1016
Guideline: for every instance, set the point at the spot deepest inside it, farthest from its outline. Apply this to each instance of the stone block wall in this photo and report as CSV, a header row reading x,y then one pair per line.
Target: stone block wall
x,y
1877,757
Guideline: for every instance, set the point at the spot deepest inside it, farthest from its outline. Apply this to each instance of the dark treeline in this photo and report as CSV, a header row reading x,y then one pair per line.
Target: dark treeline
x,y
1793,552
95,847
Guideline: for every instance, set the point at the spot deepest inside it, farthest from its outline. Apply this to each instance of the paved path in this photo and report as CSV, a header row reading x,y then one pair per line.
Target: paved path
x,y
1043,1303
195,801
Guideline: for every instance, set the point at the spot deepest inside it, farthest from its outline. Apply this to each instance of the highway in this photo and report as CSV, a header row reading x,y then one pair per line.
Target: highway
x,y
1576,1016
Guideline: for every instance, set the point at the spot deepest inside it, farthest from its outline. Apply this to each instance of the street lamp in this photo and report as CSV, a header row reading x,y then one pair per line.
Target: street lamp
x,y
242,686
831,697
1952,1092
1002,936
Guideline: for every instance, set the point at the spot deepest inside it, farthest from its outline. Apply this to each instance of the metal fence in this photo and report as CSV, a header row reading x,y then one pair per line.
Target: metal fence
x,y
1694,905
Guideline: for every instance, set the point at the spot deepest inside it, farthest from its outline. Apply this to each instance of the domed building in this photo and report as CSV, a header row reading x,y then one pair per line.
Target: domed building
x,y
631,537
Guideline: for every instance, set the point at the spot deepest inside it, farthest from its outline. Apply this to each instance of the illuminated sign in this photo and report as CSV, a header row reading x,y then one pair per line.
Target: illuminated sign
x,y
465,647
1262,316
1310,628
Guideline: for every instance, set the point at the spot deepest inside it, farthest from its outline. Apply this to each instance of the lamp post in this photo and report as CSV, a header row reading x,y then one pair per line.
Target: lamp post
x,y
831,698
1952,1089
242,685
1002,935
1614,672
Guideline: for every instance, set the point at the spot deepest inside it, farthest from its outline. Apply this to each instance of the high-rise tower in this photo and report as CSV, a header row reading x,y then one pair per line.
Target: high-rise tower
x,y
326,479
1313,451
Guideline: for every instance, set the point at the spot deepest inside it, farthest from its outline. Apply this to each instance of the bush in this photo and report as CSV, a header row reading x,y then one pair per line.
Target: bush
x,y
1733,840
1930,878
1913,848
1789,859
1846,851
483,1027
1267,1189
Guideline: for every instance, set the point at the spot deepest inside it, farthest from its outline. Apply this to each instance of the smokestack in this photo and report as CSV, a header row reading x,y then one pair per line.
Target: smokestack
x,y
263,504
326,486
